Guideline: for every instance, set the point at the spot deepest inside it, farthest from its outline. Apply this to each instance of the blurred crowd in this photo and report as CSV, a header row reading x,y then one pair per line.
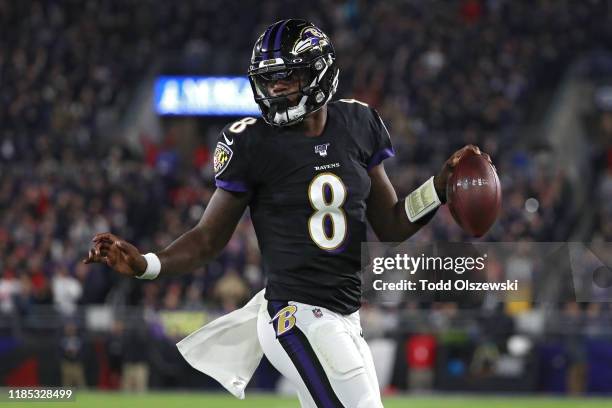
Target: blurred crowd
x,y
442,74
602,153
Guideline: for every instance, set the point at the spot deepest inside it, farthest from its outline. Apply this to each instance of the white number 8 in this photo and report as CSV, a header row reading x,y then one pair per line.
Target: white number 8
x,y
331,209
238,127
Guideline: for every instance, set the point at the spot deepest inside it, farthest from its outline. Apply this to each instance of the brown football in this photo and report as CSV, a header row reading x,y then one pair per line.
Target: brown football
x,y
474,194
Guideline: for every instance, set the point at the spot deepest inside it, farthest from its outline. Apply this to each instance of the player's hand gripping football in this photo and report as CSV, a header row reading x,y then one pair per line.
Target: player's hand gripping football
x,y
441,180
117,254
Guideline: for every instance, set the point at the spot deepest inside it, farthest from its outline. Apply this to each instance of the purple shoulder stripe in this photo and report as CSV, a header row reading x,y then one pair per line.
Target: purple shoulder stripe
x,y
236,186
379,156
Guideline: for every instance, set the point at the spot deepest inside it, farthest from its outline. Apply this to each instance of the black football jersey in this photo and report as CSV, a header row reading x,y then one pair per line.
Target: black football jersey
x,y
308,202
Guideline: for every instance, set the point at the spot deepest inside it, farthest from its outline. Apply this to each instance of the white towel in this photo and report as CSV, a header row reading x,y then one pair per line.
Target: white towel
x,y
227,349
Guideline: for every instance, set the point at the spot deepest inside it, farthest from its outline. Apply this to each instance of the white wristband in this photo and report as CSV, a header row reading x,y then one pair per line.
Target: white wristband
x,y
422,201
153,267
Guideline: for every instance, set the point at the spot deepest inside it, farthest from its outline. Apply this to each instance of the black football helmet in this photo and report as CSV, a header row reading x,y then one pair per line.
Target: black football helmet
x,y
293,49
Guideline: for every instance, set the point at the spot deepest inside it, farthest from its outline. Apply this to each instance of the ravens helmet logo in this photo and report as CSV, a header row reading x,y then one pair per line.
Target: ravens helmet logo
x,y
309,38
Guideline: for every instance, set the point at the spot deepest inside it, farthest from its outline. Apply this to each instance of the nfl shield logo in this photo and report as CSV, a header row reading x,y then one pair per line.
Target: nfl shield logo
x,y
321,149
317,313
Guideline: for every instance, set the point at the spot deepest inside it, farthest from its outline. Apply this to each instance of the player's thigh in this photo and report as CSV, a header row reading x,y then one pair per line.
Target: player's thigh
x,y
291,322
339,349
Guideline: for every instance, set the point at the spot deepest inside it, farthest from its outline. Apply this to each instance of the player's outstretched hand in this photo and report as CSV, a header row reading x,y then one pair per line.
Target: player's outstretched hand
x,y
117,254
441,179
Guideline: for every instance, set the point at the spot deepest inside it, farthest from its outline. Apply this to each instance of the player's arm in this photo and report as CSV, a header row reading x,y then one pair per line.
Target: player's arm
x,y
389,216
191,250
385,212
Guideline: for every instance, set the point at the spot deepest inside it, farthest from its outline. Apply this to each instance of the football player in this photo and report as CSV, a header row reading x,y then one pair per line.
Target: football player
x,y
311,171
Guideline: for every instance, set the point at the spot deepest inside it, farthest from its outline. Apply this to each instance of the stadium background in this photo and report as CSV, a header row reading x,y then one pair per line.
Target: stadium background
x,y
82,151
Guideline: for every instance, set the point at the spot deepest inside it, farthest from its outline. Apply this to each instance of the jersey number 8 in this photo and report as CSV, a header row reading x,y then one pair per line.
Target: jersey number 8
x,y
239,126
327,210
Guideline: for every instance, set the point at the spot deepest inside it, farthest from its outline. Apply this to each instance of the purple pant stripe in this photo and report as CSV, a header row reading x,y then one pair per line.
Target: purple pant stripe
x,y
304,359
